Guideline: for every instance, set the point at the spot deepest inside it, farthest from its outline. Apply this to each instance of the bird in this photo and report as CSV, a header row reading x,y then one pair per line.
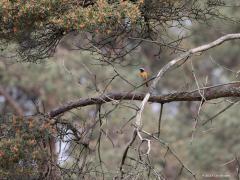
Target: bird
x,y
144,75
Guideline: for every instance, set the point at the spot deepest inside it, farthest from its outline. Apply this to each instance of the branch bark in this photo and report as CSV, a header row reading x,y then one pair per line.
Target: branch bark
x,y
212,92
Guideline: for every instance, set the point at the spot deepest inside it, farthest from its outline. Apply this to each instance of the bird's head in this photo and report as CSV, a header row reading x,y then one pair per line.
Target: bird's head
x,y
141,69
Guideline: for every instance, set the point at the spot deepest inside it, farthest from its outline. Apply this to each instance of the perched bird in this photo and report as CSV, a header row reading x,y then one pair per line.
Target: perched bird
x,y
144,75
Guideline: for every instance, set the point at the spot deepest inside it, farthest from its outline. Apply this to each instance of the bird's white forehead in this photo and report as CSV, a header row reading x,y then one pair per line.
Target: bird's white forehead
x,y
141,68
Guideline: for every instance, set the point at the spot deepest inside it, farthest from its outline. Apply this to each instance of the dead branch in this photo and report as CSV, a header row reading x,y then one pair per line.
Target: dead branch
x,y
160,119
126,151
212,92
169,150
217,114
179,61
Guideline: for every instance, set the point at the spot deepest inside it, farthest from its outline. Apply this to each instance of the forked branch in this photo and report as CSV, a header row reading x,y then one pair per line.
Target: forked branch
x,y
179,61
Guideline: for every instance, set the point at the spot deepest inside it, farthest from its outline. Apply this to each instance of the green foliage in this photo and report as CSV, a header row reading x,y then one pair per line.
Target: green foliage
x,y
38,26
21,16
21,146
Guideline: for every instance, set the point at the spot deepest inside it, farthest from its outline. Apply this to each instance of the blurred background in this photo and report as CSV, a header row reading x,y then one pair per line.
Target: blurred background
x,y
209,149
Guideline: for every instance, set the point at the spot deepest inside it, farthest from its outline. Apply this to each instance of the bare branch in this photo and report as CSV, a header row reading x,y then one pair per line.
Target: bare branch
x,y
212,92
126,151
217,114
160,120
180,60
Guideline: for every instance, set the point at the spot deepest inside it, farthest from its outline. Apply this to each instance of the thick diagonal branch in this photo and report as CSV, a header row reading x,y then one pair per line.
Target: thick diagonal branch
x,y
213,92
178,61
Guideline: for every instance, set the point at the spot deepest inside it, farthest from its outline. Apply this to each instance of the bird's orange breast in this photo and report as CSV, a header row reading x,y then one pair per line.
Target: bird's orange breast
x,y
144,75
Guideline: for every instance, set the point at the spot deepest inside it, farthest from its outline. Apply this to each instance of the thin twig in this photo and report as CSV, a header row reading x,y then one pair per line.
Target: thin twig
x,y
160,119
220,112
126,151
178,60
